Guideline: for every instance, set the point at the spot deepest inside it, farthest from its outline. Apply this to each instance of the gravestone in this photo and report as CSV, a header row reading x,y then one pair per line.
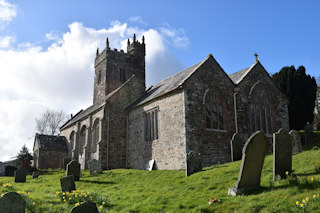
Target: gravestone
x,y
73,168
86,207
2,169
308,134
65,162
35,174
12,202
94,166
282,153
20,176
194,163
67,184
150,165
253,155
236,147
296,142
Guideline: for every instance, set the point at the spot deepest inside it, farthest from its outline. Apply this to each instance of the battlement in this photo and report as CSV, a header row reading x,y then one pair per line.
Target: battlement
x,y
114,67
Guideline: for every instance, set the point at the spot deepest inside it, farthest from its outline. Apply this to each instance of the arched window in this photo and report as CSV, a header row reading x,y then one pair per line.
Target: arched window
x,y
95,136
214,110
82,140
260,109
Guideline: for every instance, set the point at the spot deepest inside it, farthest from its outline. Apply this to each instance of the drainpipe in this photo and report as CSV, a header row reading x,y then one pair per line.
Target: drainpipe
x,y
127,137
235,92
108,134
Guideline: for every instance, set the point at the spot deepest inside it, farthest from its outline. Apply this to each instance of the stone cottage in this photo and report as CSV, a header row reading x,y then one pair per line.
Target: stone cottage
x,y
49,151
198,110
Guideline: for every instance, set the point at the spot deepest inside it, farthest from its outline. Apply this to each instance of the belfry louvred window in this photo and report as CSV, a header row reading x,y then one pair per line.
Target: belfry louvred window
x,y
151,124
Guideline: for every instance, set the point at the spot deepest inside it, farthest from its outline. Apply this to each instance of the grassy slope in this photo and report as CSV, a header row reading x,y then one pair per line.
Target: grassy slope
x,y
171,191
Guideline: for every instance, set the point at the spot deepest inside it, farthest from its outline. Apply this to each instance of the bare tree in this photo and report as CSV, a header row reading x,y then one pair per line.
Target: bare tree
x,y
50,121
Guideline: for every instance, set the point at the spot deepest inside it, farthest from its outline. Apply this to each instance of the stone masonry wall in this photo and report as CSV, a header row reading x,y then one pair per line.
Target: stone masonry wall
x,y
51,159
259,82
213,145
169,150
117,124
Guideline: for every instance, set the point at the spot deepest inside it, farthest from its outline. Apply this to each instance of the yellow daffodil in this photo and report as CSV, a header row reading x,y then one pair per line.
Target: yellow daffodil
x,y
304,201
287,172
100,207
297,203
63,197
77,204
103,203
307,199
312,179
301,205
314,196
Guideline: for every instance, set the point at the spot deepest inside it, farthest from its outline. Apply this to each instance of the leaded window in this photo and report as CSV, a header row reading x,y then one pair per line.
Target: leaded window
x,y
214,111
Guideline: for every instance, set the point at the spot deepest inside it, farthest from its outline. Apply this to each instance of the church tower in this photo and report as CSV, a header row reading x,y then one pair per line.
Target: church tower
x,y
113,67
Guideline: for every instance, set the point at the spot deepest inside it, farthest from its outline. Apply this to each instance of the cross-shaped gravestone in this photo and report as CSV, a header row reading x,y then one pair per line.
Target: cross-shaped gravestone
x,y
86,207
73,168
12,202
253,155
67,184
20,175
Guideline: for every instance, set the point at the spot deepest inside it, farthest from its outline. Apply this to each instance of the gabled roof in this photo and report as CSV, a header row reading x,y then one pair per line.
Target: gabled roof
x,y
238,76
167,85
94,107
51,142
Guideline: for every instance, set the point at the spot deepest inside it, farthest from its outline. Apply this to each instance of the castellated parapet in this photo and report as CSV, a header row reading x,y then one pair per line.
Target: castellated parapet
x,y
113,67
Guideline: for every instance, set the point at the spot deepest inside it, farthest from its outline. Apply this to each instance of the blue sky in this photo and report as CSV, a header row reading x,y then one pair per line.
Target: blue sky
x,y
47,48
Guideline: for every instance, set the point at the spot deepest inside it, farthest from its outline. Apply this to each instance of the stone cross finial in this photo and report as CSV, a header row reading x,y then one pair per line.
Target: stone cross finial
x,y
256,55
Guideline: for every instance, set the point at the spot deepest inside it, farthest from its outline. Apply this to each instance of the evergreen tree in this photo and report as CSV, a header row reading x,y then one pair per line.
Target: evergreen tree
x,y
300,89
22,154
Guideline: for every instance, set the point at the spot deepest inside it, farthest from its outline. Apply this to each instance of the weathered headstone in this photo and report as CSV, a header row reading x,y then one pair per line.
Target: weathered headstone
x,y
86,207
253,155
308,133
73,168
12,202
150,165
2,169
282,153
20,175
94,166
194,162
65,162
236,147
35,174
296,142
67,184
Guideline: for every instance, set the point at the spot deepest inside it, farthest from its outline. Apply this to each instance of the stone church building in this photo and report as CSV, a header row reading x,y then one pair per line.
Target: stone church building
x,y
194,111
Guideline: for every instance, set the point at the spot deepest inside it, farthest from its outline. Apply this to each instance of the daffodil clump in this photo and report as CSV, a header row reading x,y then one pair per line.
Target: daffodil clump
x,y
7,187
302,205
78,197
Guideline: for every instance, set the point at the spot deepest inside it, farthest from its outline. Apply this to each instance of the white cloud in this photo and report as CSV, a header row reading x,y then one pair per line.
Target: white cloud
x,y
7,12
6,41
137,19
61,76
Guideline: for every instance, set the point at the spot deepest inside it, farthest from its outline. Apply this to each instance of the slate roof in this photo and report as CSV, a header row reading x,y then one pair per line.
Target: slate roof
x,y
167,85
238,76
83,113
52,142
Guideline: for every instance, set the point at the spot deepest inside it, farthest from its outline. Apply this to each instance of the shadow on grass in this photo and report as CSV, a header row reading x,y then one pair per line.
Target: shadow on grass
x,y
96,181
300,186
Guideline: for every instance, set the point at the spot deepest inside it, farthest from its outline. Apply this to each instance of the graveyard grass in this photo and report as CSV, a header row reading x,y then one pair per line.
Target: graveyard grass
x,y
170,191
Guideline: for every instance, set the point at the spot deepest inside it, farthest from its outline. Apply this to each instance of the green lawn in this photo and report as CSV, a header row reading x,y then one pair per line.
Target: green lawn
x,y
170,191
